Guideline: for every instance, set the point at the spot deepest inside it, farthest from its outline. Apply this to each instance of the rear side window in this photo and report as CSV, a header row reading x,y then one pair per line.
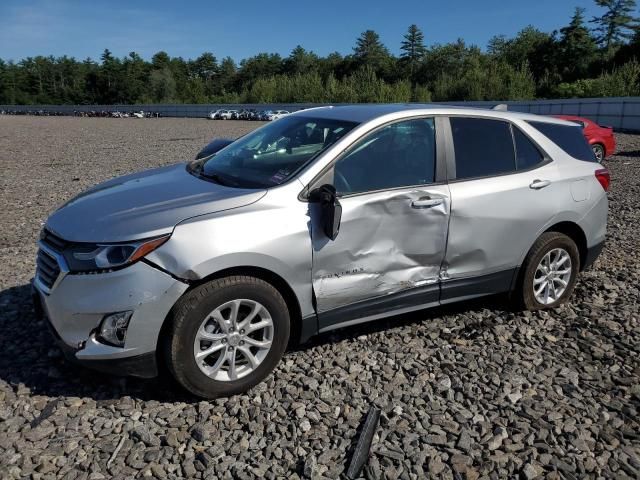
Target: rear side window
x,y
568,138
483,147
527,154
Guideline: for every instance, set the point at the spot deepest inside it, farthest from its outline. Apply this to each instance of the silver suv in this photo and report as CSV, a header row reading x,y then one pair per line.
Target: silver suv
x,y
322,219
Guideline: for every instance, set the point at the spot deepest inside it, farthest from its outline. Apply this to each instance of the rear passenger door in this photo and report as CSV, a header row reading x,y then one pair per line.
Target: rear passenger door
x,y
504,189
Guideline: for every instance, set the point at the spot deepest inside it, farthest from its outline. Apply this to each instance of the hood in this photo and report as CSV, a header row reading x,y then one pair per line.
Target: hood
x,y
143,205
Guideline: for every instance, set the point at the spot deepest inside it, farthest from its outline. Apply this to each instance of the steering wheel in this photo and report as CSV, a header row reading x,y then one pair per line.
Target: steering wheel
x,y
341,183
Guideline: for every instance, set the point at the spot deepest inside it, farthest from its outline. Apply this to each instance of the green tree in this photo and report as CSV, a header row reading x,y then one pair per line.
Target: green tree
x,y
162,86
205,70
227,76
539,50
577,48
413,50
135,75
617,24
370,52
300,61
160,60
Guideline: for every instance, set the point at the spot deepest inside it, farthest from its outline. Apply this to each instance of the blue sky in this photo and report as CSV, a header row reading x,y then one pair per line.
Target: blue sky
x,y
243,28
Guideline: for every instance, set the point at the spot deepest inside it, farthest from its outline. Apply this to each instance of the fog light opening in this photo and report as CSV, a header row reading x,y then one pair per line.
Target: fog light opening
x,y
113,329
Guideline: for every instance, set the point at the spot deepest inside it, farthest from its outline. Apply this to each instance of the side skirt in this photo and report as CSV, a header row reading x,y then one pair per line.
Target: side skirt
x,y
392,304
460,289
420,298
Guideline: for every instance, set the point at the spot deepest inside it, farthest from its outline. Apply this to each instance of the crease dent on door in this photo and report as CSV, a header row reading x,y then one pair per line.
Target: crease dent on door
x,y
380,250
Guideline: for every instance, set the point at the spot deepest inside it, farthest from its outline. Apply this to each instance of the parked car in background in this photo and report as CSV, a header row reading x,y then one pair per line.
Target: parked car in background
x,y
228,114
277,115
601,138
264,115
324,219
214,114
139,114
252,114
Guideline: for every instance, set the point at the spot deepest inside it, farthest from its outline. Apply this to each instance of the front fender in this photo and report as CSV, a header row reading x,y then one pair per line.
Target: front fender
x,y
273,238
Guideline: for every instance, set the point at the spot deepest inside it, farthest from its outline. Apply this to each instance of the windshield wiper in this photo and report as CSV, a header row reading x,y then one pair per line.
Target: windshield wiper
x,y
198,170
218,179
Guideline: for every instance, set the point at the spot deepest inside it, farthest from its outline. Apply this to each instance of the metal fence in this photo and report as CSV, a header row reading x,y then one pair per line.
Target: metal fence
x,y
622,113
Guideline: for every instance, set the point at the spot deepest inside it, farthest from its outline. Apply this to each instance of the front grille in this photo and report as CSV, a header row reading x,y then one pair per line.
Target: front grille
x,y
52,241
48,266
47,269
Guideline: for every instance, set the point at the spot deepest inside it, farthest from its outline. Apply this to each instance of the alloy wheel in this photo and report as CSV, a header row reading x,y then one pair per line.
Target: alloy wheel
x,y
552,276
233,340
598,151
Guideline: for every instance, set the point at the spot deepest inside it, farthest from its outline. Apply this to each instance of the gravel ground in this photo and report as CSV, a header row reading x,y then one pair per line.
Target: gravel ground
x,y
473,391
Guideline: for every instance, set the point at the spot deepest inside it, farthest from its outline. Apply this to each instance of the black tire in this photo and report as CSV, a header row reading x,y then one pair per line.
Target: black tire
x,y
189,313
523,294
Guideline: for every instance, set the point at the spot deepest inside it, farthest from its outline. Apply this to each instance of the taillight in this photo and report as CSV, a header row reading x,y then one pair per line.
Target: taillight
x,y
602,175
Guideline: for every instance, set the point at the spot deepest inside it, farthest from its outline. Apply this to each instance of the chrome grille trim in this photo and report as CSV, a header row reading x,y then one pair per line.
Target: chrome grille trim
x,y
51,266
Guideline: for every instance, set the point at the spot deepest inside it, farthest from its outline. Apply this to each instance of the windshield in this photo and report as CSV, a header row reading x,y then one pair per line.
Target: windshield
x,y
272,154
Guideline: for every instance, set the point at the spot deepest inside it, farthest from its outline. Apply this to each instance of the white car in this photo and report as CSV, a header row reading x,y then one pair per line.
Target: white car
x,y
227,114
215,114
139,114
277,114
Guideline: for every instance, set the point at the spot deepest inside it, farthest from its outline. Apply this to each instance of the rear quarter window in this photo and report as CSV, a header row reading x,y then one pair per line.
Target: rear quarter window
x,y
568,138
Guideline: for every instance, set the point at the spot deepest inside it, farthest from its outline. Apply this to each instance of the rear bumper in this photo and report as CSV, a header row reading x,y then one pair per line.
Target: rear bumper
x,y
592,254
610,146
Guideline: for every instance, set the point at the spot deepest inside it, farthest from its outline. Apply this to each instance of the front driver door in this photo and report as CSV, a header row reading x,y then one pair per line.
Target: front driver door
x,y
392,240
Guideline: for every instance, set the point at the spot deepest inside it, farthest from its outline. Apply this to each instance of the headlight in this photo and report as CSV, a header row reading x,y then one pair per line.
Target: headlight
x,y
102,256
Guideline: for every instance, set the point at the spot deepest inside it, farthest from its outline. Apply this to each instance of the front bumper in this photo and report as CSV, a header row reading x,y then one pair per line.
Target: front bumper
x,y
78,303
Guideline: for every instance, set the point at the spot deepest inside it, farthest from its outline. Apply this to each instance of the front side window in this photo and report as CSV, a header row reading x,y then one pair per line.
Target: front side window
x,y
272,154
483,147
397,155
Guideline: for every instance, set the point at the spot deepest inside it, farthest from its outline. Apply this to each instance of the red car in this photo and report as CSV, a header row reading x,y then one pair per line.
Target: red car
x,y
600,138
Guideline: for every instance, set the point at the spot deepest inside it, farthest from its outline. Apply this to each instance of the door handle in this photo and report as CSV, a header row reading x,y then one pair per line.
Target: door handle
x,y
538,184
426,202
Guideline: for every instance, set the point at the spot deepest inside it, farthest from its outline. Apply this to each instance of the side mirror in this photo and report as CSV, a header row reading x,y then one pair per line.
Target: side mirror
x,y
213,147
330,208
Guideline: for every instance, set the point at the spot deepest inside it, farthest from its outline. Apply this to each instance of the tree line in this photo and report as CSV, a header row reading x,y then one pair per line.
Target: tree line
x,y
586,58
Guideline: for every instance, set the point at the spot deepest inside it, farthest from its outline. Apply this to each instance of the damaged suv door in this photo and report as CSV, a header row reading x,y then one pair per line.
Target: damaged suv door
x,y
395,211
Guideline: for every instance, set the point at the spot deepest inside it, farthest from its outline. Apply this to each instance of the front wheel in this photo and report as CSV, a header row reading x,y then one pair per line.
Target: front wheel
x,y
226,336
549,272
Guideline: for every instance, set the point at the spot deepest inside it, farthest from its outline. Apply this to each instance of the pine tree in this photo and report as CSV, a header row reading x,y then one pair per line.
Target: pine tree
x,y
413,49
617,24
369,51
577,48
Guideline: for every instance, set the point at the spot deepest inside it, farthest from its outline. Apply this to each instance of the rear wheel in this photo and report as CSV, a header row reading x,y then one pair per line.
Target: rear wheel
x,y
226,336
598,151
549,272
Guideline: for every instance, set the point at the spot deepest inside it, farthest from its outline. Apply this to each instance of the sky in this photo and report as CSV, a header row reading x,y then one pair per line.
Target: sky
x,y
243,28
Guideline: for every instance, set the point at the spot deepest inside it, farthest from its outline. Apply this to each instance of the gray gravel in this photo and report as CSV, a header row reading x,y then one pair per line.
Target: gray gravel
x,y
473,391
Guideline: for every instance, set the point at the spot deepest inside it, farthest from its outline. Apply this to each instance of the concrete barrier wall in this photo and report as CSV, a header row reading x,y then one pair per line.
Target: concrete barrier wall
x,y
622,113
